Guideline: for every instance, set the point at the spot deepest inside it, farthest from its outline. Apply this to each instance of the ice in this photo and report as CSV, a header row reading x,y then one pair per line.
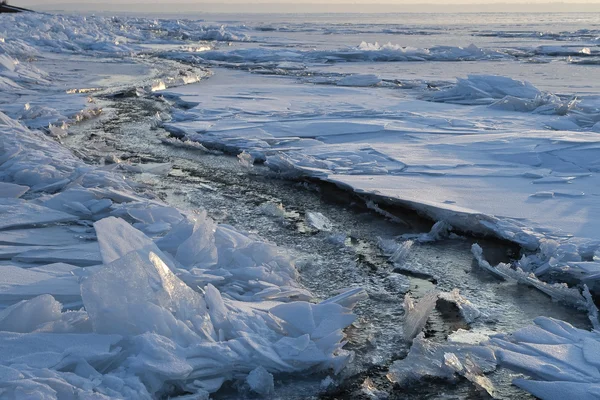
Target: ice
x,y
560,358
416,315
348,298
369,389
260,381
468,337
503,93
559,390
273,210
117,238
318,221
363,52
486,89
130,286
175,304
439,231
86,254
11,190
467,309
28,315
397,252
16,213
455,171
399,255
426,359
592,309
105,34
558,291
199,249
246,159
23,283
359,80
46,236
138,293
471,371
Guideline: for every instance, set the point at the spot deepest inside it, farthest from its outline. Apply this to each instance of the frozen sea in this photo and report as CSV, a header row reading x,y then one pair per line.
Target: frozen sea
x,y
298,206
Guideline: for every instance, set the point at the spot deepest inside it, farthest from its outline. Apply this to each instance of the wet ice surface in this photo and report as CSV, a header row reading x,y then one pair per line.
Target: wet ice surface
x,y
125,287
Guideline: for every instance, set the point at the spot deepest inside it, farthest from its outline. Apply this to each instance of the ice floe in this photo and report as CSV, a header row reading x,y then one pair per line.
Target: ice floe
x,y
411,154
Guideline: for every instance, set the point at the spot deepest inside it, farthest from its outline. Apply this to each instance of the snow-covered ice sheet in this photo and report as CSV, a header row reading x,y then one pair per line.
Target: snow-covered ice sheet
x,y
483,170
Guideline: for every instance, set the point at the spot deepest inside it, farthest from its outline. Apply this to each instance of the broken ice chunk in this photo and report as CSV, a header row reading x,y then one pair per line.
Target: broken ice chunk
x,y
84,255
397,252
27,315
117,238
138,293
557,291
439,231
11,190
399,256
416,315
272,209
426,360
178,234
154,214
369,388
46,236
318,221
560,390
55,279
199,250
260,381
469,337
17,213
471,371
348,298
246,159
468,311
565,357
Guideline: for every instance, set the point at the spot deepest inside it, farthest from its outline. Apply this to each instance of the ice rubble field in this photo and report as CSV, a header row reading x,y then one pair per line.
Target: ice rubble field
x,y
93,307
106,293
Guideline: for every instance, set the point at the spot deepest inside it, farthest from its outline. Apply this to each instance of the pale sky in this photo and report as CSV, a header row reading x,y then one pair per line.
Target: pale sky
x,y
315,5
